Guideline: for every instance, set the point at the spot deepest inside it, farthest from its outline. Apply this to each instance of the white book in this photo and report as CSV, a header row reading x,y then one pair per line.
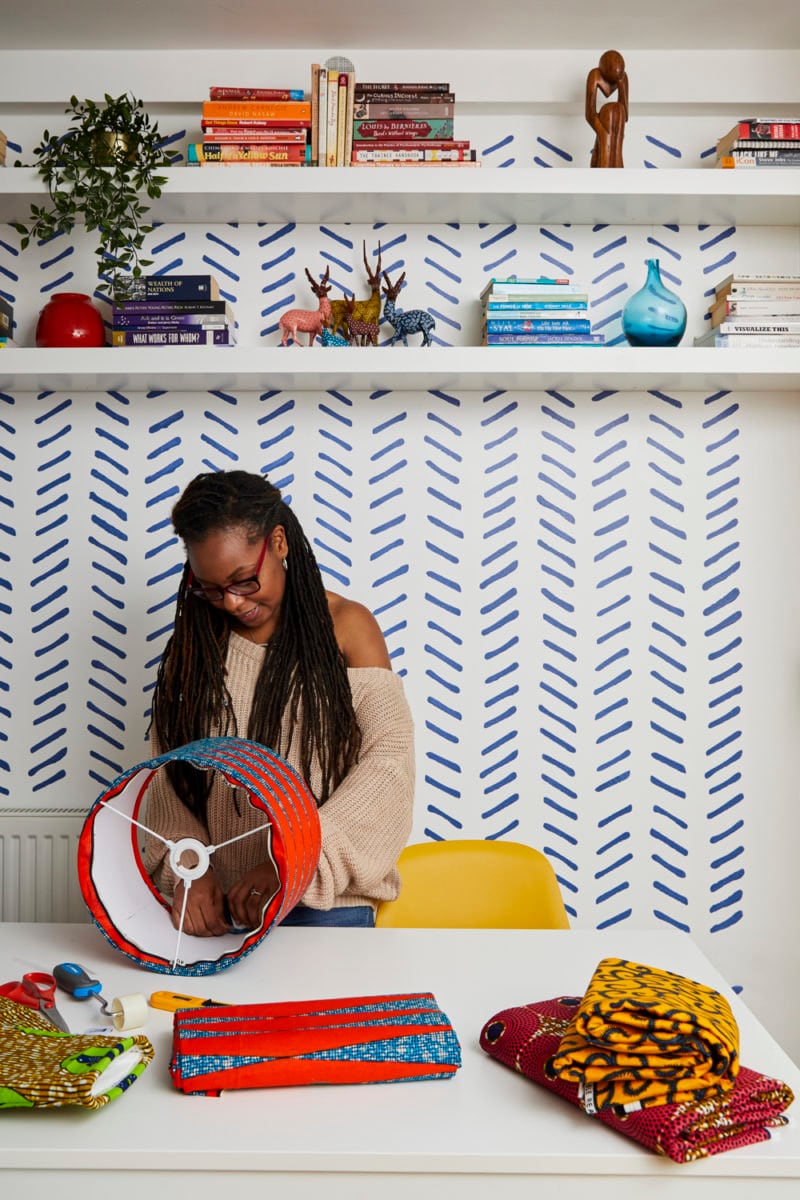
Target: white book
x,y
323,117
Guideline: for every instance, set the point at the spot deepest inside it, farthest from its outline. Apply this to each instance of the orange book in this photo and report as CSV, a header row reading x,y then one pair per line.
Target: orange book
x,y
260,110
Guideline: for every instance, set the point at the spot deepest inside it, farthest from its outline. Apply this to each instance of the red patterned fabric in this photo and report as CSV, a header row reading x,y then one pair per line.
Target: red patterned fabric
x,y
527,1037
359,1039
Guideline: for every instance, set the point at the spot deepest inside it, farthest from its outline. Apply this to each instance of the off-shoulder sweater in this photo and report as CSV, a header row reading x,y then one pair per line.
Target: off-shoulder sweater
x,y
365,822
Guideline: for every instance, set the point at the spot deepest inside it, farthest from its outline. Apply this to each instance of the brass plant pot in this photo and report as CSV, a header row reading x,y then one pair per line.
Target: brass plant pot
x,y
109,146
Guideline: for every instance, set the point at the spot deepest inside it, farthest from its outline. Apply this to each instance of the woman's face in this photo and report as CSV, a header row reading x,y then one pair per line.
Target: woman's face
x,y
229,556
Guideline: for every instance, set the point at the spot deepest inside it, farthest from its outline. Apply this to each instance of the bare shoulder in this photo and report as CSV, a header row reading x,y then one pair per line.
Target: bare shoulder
x,y
358,633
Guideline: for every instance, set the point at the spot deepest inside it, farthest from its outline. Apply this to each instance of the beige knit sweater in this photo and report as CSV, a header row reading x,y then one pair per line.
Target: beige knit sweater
x,y
365,822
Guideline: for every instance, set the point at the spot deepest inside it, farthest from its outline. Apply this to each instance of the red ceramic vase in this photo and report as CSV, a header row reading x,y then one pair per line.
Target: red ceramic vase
x,y
70,319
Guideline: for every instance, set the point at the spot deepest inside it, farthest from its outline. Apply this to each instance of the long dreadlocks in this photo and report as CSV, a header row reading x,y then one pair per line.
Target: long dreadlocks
x,y
303,667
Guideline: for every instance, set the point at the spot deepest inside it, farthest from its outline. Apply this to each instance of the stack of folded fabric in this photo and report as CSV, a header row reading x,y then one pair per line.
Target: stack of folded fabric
x,y
652,1054
362,1039
41,1067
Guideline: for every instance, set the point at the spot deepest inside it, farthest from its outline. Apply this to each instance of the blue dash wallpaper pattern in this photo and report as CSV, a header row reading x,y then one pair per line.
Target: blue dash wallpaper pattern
x,y
587,594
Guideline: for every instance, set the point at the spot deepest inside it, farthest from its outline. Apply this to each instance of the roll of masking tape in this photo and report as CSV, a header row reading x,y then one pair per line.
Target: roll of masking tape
x,y
128,1012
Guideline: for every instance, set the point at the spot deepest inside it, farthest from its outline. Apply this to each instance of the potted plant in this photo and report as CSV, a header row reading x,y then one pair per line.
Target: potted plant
x,y
97,174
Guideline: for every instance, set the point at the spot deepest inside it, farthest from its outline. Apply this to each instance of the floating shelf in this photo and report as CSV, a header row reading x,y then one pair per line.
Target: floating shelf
x,y
473,368
489,195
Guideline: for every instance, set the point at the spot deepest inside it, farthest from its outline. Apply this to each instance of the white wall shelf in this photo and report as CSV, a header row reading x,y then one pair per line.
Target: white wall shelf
x,y
474,368
488,195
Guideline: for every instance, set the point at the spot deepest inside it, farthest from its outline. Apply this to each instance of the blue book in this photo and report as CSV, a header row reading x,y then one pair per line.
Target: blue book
x,y
545,326
545,339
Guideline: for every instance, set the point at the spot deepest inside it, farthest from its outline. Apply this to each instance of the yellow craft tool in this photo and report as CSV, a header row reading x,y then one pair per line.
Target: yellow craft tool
x,y
172,1001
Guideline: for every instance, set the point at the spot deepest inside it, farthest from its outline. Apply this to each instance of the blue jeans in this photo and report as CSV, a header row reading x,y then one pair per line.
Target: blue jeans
x,y
362,915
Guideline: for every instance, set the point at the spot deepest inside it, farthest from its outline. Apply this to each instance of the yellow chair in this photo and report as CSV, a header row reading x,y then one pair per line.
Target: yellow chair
x,y
474,884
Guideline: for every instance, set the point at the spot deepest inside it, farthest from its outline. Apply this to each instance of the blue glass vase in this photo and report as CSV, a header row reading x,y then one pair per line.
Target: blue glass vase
x,y
654,316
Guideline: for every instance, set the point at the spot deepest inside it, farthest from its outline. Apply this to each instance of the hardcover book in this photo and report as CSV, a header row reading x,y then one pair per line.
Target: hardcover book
x,y
173,287
267,132
786,158
189,335
243,93
173,308
545,339
400,111
140,320
400,130
403,87
203,152
369,154
245,110
545,325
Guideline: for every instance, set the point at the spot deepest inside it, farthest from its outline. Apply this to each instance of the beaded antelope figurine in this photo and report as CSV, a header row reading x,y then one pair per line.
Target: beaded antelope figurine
x,y
303,320
404,323
365,310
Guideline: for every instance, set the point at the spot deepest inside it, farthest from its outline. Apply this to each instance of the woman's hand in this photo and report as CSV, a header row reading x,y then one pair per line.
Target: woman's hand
x,y
247,897
205,907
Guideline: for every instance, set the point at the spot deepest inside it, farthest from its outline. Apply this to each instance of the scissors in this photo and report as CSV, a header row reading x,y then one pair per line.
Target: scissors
x,y
36,990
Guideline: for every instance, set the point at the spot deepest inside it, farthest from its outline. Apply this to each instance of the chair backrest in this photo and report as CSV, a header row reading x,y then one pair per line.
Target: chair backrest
x,y
475,884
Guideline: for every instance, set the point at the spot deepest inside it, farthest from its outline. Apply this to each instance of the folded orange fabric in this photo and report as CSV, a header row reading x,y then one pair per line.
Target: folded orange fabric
x,y
527,1037
360,1039
642,1036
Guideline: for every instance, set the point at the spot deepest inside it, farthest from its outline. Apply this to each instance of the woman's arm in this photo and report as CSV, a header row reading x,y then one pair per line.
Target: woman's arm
x,y
367,820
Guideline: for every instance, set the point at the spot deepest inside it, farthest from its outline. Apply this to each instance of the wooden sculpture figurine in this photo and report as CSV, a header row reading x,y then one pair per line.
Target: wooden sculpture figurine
x,y
608,122
302,320
368,310
404,323
362,333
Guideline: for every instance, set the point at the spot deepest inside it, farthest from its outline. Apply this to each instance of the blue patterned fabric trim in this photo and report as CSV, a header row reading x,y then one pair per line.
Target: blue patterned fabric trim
x,y
244,1025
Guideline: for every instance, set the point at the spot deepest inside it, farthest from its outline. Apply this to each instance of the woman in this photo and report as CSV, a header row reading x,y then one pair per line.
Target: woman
x,y
261,650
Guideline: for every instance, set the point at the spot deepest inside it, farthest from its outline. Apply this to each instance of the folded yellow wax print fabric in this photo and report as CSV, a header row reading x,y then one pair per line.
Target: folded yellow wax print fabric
x,y
41,1067
359,1039
642,1036
527,1039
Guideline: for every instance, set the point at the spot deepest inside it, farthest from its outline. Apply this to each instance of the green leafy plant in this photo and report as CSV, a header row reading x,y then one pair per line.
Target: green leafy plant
x,y
97,174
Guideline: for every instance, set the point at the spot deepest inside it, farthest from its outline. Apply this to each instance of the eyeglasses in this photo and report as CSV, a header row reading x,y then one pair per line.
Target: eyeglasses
x,y
242,587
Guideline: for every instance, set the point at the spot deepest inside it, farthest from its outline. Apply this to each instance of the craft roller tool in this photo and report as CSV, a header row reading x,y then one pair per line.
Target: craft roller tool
x,y
172,1001
126,1012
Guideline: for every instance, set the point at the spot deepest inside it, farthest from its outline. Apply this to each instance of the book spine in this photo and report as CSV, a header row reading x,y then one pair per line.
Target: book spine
x,y
751,327
369,111
533,308
432,98
536,298
348,127
341,117
404,87
322,148
254,133
139,320
773,158
171,308
247,152
755,144
383,164
755,341
368,154
189,335
173,287
333,115
545,339
314,114
429,144
284,110
769,130
7,309
242,93
400,130
543,325
760,308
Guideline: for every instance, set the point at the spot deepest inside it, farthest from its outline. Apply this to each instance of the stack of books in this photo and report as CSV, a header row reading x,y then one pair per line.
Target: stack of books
x,y
3,148
332,98
761,142
6,323
755,311
172,310
536,312
407,124
262,126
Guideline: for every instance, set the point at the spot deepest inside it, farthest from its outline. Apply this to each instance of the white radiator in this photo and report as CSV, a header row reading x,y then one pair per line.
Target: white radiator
x,y
38,866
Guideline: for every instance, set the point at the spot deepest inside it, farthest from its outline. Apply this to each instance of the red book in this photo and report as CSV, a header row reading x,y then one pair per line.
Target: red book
x,y
253,133
243,93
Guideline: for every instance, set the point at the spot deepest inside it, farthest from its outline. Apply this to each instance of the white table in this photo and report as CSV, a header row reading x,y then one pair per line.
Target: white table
x,y
484,1133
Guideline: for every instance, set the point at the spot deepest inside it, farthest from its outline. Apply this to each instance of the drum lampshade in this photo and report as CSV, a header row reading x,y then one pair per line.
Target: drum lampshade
x,y
120,895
